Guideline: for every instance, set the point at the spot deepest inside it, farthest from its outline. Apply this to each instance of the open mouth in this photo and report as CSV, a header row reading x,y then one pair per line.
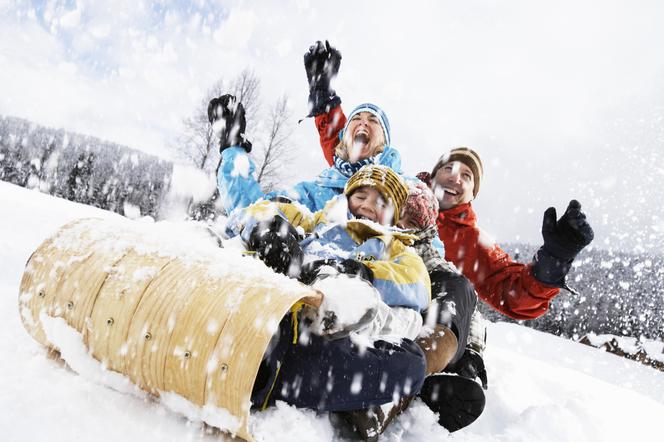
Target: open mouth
x,y
450,191
364,217
361,137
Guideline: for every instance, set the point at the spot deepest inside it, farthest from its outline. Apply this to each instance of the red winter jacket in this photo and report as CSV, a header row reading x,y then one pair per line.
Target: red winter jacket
x,y
508,286
329,125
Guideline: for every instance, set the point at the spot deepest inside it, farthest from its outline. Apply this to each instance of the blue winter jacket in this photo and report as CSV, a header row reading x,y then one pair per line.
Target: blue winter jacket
x,y
238,187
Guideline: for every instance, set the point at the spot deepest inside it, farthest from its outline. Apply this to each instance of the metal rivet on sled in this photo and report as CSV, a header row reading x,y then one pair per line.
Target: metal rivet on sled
x,y
110,321
224,368
41,294
187,354
70,305
147,336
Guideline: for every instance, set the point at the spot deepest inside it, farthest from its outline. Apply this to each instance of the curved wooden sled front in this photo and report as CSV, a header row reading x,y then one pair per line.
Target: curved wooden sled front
x,y
169,323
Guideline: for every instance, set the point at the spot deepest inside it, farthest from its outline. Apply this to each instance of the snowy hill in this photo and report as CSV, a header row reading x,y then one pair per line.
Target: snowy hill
x,y
541,387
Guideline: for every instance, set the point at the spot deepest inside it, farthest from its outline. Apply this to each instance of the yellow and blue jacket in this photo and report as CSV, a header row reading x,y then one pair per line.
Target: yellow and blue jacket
x,y
400,275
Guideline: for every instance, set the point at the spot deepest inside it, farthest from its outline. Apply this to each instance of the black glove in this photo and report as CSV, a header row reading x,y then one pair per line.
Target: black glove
x,y
563,240
322,64
351,267
277,245
226,108
470,365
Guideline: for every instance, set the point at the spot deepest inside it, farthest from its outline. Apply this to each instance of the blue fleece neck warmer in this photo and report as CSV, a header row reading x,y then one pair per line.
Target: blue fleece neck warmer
x,y
348,169
376,111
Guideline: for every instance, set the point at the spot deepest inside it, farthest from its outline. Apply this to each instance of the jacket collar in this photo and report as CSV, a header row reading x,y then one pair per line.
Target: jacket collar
x,y
461,214
333,177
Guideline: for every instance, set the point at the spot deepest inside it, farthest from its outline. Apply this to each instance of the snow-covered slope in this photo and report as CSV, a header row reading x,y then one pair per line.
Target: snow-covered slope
x,y
541,387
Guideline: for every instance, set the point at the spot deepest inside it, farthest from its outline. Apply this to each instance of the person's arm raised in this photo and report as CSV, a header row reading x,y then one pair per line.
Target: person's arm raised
x,y
321,63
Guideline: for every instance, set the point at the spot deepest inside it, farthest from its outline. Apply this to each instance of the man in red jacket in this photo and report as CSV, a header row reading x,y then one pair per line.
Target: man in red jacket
x,y
520,291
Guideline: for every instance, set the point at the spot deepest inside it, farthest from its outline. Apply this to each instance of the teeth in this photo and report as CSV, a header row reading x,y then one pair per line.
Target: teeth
x,y
452,191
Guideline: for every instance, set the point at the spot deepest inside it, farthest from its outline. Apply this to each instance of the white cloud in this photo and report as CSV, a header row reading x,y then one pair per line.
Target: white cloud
x,y
236,31
72,18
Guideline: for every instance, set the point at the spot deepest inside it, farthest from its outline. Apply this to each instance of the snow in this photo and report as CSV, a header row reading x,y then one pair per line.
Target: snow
x,y
349,298
241,166
72,349
188,184
653,349
541,387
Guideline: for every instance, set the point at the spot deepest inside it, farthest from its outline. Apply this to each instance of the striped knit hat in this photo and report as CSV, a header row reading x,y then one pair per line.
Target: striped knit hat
x,y
383,179
376,111
468,157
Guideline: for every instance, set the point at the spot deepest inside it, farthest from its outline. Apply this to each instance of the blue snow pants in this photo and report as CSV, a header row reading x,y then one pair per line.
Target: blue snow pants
x,y
336,374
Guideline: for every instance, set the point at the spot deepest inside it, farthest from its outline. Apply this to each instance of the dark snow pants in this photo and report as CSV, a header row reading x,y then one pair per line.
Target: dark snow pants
x,y
453,302
338,375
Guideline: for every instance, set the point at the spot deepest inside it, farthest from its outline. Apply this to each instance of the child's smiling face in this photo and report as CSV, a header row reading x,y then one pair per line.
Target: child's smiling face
x,y
367,202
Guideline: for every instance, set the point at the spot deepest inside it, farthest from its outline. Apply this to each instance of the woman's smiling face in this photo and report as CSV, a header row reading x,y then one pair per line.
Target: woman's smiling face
x,y
363,136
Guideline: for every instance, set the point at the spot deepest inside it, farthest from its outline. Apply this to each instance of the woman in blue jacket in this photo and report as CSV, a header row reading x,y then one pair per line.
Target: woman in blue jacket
x,y
364,140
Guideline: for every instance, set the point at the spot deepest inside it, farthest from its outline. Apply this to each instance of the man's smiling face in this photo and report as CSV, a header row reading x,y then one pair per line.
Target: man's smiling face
x,y
453,184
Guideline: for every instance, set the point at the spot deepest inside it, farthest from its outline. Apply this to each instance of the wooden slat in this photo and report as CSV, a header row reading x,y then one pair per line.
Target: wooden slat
x,y
116,304
196,332
152,325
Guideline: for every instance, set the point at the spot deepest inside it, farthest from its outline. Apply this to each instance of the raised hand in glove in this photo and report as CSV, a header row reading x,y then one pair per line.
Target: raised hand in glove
x,y
321,63
564,238
227,114
277,245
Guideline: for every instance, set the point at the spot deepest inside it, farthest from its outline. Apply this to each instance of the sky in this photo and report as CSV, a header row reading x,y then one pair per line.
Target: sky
x,y
561,99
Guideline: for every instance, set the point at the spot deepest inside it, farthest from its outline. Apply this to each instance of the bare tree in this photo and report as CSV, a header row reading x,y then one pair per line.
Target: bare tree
x,y
198,145
278,148
270,136
246,88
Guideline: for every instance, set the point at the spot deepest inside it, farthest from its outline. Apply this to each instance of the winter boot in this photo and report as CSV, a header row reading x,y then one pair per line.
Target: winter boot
x,y
457,400
471,363
370,423
439,348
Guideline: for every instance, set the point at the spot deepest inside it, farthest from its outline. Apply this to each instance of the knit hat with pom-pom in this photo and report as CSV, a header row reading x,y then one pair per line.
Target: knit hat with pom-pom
x,y
421,205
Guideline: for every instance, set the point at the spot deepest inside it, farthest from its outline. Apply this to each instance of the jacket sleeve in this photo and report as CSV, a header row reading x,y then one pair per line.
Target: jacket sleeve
x,y
235,179
242,222
329,125
509,286
399,273
239,189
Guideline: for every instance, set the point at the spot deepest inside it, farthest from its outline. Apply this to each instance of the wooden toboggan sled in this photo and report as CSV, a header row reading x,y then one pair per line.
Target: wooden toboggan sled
x,y
168,318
